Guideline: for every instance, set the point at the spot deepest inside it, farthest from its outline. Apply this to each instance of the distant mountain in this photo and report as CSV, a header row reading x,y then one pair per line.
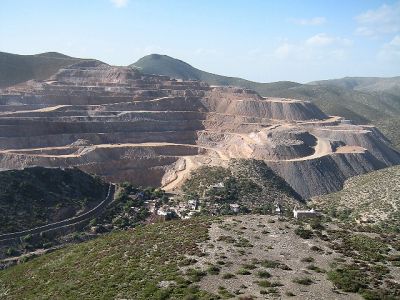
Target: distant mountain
x,y
16,68
175,68
361,99
366,84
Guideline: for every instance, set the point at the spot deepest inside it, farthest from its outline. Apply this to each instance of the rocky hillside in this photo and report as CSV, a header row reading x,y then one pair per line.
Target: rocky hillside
x,y
152,130
249,183
37,196
19,68
373,198
242,257
364,100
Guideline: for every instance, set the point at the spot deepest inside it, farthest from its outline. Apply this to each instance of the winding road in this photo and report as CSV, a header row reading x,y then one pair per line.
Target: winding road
x,y
64,223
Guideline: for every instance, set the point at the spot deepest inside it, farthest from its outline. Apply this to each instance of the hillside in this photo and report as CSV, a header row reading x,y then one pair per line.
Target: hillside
x,y
367,84
19,68
243,257
373,198
151,130
363,100
37,196
249,183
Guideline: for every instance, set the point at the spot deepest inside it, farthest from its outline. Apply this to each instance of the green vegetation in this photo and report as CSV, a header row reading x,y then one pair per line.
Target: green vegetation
x,y
348,278
303,281
303,233
19,68
37,196
249,183
361,246
372,198
129,264
263,274
129,208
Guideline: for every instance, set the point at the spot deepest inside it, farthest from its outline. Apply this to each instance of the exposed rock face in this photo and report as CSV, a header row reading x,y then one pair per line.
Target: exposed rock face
x,y
151,130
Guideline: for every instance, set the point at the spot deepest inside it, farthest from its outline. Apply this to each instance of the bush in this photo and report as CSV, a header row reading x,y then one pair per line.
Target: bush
x,y
303,233
263,274
213,270
243,272
303,281
348,278
228,276
12,252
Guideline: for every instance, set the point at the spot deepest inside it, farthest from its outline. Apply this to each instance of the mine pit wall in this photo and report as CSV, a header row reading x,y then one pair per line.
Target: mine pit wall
x,y
58,140
277,110
282,152
21,128
325,174
142,165
368,139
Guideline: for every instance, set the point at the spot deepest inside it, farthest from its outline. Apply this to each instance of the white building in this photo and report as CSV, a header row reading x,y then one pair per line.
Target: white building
x,y
305,214
235,207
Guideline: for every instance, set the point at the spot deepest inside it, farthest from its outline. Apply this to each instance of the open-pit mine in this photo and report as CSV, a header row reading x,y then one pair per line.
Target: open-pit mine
x,y
152,130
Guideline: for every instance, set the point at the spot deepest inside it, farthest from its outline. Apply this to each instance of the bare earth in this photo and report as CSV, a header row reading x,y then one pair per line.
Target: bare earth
x,y
272,242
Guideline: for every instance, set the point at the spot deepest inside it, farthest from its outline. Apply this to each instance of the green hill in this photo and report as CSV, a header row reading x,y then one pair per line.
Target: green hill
x,y
175,68
240,257
372,197
19,68
37,196
363,100
366,84
128,264
249,183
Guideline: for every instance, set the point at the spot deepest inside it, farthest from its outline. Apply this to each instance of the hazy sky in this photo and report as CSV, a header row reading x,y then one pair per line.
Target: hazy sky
x,y
257,40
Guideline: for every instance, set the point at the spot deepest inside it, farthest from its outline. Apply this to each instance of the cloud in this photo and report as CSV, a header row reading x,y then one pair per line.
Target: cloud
x,y
322,39
318,47
383,20
119,3
309,22
391,50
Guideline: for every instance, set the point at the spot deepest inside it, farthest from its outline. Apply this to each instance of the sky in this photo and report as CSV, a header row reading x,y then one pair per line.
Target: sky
x,y
258,40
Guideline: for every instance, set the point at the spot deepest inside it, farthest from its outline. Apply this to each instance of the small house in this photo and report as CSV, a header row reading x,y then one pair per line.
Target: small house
x,y
193,204
278,209
219,185
235,207
305,214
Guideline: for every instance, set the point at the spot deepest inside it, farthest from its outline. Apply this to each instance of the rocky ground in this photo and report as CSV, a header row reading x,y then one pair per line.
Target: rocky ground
x,y
262,257
228,257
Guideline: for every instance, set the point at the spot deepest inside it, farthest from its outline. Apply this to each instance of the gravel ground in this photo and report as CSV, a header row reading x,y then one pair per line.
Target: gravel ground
x,y
254,244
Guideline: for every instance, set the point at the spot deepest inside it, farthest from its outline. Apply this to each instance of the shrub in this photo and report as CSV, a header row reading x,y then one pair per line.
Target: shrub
x,y
303,281
348,278
195,275
228,276
213,270
263,274
303,233
308,259
243,272
270,264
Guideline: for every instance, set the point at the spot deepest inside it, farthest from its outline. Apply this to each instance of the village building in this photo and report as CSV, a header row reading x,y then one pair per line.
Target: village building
x,y
235,207
278,209
305,214
193,204
218,185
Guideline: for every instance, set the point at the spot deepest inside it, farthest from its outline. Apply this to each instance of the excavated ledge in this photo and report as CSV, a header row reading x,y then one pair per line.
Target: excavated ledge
x,y
153,130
